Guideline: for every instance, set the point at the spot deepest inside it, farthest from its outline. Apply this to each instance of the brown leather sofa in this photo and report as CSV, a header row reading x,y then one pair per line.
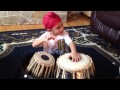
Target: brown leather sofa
x,y
107,25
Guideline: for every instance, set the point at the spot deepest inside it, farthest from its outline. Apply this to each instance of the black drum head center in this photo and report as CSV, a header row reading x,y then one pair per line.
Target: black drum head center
x,y
44,57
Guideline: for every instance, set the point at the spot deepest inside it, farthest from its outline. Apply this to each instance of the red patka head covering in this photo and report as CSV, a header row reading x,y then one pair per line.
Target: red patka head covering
x,y
50,20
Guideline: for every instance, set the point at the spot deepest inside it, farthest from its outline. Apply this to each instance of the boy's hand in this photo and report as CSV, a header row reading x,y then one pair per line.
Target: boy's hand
x,y
75,56
49,37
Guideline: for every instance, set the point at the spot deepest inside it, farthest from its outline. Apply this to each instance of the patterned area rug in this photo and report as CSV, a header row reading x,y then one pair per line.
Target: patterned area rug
x,y
81,35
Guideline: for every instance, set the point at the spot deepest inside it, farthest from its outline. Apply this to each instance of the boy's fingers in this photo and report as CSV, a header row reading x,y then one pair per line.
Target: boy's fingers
x,y
72,59
51,37
77,59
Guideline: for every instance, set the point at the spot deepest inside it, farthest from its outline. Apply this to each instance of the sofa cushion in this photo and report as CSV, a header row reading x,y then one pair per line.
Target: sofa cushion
x,y
107,25
110,18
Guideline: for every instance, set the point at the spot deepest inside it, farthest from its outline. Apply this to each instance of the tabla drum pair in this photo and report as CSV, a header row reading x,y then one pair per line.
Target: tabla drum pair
x,y
41,65
82,69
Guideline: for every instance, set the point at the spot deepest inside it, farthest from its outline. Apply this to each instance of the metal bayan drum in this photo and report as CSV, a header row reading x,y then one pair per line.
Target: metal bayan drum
x,y
79,70
41,65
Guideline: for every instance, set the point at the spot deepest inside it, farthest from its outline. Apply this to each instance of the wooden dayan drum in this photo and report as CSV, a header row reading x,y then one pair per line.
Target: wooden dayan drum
x,y
41,65
79,70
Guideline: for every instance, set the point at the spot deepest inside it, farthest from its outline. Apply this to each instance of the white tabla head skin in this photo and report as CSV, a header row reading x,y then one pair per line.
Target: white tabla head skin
x,y
64,62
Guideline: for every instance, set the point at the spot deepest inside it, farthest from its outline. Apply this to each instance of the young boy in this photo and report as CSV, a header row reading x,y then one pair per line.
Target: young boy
x,y
54,41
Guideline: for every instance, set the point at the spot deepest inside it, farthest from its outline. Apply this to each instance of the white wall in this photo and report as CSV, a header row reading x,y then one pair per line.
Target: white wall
x,y
26,17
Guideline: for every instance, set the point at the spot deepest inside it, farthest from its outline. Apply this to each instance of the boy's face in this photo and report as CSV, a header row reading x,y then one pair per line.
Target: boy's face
x,y
58,29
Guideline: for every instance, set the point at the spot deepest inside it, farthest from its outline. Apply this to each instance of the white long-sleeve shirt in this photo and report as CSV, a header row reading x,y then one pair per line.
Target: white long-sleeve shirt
x,y
52,45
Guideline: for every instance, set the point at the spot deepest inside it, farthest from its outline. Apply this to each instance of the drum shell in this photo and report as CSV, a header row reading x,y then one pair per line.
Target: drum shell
x,y
84,68
23,74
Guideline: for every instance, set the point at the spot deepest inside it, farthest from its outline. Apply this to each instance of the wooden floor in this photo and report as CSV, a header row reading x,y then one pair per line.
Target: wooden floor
x,y
75,20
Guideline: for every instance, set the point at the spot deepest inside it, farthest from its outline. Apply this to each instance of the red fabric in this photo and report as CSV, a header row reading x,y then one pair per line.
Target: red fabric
x,y
50,20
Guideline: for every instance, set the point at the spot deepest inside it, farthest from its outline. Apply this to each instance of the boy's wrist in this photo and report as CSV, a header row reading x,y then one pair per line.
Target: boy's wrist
x,y
44,39
73,51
